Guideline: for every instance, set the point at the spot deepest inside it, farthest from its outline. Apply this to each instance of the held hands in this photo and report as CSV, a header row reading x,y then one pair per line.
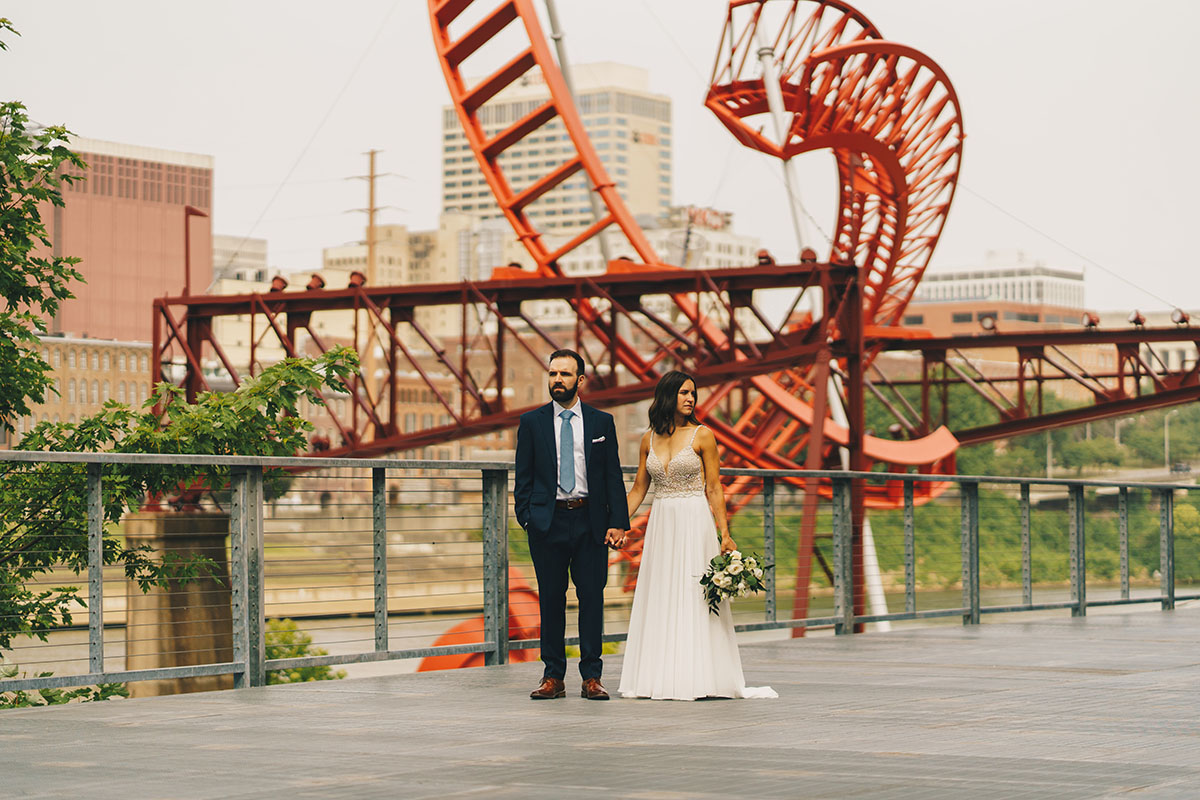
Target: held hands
x,y
615,538
727,543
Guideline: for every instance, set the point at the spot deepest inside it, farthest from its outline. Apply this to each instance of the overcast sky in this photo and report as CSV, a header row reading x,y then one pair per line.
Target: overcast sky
x,y
1079,117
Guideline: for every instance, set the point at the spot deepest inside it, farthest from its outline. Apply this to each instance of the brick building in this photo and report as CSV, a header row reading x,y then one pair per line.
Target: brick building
x,y
126,222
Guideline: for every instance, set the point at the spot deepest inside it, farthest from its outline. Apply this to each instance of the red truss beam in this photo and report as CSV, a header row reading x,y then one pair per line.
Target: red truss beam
x,y
184,335
1138,381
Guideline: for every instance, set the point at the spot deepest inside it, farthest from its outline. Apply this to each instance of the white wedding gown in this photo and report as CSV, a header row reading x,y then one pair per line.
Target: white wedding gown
x,y
677,649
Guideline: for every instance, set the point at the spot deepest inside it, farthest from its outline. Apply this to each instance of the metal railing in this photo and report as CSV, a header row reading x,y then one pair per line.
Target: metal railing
x,y
903,539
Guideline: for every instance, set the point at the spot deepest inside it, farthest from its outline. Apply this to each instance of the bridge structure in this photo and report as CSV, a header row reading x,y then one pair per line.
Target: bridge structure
x,y
825,79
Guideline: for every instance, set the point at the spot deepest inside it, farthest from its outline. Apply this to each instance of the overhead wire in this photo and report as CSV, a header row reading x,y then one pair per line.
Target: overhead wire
x,y
729,158
776,176
320,125
1065,246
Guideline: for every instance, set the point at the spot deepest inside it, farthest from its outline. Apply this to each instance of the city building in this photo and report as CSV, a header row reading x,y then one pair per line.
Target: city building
x,y
127,222
629,126
693,237
1009,294
239,258
1015,297
87,373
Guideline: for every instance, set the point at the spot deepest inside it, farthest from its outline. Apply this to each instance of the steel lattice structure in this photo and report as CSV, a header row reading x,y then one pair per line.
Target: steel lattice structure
x,y
890,118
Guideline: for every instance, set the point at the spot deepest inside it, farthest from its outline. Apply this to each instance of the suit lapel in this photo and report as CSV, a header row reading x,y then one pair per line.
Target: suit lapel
x,y
589,428
546,417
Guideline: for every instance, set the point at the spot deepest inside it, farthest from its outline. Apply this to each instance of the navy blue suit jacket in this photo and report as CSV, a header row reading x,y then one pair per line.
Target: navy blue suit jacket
x,y
536,481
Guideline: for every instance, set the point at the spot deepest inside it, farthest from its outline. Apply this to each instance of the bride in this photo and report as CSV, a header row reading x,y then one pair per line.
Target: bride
x,y
677,649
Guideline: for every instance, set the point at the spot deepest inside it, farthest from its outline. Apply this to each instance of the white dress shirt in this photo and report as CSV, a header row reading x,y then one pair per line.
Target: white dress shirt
x,y
581,485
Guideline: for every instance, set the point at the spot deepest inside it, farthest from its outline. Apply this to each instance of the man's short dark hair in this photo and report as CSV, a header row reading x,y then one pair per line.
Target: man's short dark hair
x,y
569,354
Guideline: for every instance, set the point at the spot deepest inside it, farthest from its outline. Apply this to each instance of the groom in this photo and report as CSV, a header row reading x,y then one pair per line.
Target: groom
x,y
570,499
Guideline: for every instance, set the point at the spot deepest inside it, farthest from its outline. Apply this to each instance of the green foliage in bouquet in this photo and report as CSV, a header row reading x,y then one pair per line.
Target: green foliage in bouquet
x,y
733,575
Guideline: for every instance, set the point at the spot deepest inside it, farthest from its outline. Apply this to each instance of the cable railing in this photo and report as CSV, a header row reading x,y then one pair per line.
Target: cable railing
x,y
390,560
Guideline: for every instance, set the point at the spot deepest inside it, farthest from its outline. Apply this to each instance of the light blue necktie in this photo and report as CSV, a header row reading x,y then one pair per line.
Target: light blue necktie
x,y
566,452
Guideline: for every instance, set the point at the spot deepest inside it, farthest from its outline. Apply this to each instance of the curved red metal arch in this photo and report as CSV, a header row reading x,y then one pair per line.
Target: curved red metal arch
x,y
885,110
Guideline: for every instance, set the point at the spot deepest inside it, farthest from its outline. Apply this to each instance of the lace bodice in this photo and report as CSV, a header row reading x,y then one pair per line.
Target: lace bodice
x,y
683,477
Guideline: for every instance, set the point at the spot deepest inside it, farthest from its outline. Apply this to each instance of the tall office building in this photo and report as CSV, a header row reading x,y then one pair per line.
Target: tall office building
x,y
629,126
126,221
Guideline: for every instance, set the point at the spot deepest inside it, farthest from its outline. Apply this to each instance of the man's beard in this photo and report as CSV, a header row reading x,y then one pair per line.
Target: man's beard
x,y
563,395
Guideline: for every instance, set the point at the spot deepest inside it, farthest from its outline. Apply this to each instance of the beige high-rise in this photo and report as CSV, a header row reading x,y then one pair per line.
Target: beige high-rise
x,y
629,126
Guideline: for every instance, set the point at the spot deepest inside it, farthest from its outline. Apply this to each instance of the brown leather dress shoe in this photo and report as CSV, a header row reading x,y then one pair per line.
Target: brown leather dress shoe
x,y
592,690
549,689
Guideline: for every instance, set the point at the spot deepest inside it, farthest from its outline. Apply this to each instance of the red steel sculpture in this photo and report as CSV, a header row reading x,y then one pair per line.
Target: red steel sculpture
x,y
889,117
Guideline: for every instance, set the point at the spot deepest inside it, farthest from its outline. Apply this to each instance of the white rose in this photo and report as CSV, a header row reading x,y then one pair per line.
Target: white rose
x,y
742,592
757,573
735,568
735,555
725,581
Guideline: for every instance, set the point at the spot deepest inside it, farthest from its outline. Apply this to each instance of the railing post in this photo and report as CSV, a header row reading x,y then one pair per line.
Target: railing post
x,y
1166,547
1026,548
256,624
495,565
1123,513
1076,508
379,546
843,573
969,501
237,574
768,497
245,530
910,551
95,533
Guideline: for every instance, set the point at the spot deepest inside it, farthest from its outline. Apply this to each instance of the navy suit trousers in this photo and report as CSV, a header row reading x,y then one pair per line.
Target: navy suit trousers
x,y
569,548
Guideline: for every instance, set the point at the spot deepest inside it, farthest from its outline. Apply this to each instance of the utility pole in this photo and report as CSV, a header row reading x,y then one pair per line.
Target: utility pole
x,y
367,353
372,272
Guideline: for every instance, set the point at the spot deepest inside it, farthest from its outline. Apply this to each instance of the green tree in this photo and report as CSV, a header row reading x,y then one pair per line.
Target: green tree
x,y
54,697
33,282
43,506
1089,453
286,640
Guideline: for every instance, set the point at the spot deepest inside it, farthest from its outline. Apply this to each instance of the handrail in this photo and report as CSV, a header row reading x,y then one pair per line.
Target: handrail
x,y
249,664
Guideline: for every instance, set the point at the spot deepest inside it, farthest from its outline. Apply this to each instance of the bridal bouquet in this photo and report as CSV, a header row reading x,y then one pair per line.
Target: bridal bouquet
x,y
732,575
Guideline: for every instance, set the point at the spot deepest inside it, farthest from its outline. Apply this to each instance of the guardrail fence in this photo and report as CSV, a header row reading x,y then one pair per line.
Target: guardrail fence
x,y
382,560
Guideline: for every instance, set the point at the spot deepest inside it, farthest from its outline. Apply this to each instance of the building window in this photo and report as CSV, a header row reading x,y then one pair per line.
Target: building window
x,y
71,390
914,319
95,362
95,391
71,359
105,362
962,316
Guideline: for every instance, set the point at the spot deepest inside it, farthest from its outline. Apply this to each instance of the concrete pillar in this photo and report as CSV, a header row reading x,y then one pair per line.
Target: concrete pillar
x,y
185,624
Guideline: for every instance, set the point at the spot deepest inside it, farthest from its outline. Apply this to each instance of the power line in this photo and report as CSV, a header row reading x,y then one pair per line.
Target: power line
x,y
328,113
1065,246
